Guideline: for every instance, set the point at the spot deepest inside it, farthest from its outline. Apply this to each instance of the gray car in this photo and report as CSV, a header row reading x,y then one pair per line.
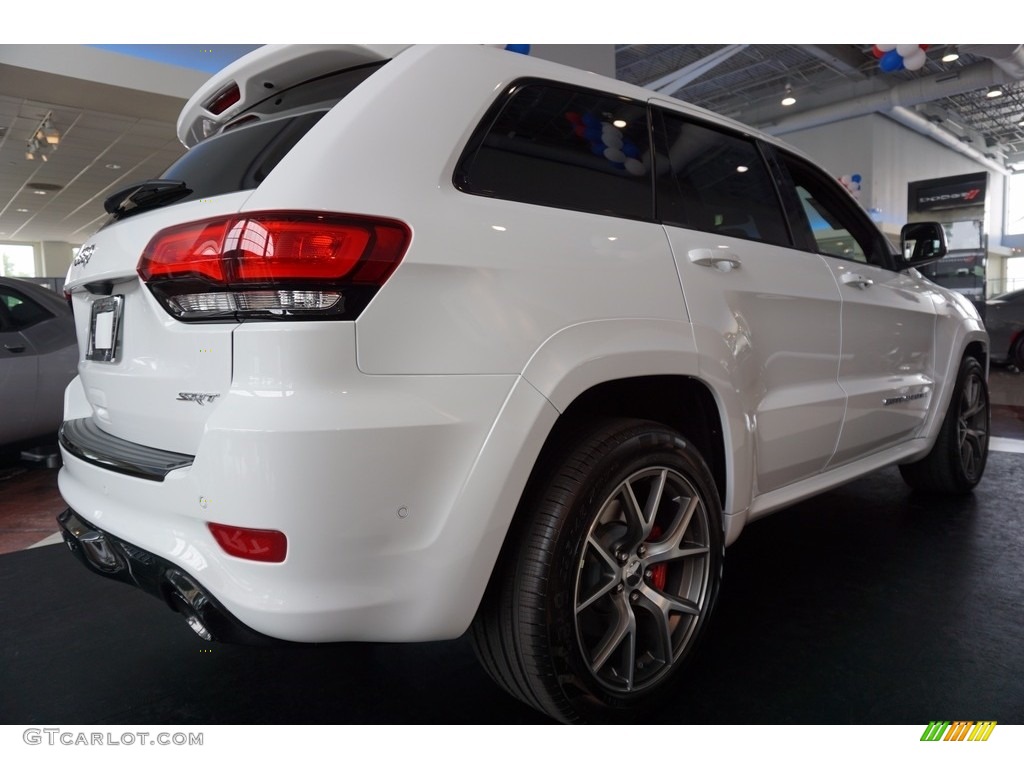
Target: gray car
x,y
1004,319
38,357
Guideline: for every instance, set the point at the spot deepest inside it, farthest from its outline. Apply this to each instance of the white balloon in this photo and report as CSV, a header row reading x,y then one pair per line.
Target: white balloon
x,y
915,60
612,138
905,49
614,155
884,47
635,167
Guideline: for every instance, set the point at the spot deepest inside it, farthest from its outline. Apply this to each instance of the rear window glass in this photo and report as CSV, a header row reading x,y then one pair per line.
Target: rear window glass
x,y
241,157
549,144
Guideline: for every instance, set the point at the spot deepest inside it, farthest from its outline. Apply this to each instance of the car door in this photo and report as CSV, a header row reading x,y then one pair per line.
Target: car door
x,y
19,365
888,318
765,315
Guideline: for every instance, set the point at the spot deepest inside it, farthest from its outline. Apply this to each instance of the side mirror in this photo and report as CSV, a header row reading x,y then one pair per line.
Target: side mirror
x,y
922,242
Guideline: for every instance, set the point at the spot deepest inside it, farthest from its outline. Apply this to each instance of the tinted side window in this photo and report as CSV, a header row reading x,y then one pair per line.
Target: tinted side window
x,y
21,312
832,223
715,181
549,144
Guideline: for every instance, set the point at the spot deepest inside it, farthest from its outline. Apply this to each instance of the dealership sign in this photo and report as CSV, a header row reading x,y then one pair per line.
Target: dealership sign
x,y
950,192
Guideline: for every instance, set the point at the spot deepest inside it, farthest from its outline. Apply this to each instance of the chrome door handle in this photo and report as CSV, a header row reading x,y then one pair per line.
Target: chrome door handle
x,y
722,259
14,347
859,281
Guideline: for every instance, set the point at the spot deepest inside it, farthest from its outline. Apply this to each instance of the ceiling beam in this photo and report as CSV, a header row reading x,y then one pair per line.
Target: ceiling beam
x,y
844,59
672,82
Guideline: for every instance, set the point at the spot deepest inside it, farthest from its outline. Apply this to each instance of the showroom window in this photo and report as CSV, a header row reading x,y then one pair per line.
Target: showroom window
x,y
715,181
552,145
17,260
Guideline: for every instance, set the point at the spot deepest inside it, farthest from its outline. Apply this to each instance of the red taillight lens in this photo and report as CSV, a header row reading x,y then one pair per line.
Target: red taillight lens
x,y
223,99
273,265
264,546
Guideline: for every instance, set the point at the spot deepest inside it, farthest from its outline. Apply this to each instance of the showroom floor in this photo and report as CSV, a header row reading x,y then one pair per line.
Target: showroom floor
x,y
869,605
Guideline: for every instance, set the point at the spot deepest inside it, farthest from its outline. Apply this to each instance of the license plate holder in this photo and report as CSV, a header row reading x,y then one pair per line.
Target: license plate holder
x,y
105,329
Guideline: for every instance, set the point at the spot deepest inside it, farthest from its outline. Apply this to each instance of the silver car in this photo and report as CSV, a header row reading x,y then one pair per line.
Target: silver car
x,y
38,357
1004,320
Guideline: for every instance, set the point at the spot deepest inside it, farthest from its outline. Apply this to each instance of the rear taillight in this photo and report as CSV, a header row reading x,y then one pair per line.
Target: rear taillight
x,y
274,265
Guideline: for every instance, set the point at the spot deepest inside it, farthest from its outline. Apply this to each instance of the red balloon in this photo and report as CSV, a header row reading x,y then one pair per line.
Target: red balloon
x,y
878,52
923,47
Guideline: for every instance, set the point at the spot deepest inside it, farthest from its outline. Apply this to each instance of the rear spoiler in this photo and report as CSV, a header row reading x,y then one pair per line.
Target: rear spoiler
x,y
262,73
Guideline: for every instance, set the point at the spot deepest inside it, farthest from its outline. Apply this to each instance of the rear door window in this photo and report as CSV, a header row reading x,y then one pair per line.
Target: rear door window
x,y
717,181
551,144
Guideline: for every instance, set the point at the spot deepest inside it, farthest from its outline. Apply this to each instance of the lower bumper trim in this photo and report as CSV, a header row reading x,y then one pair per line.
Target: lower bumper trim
x,y
116,559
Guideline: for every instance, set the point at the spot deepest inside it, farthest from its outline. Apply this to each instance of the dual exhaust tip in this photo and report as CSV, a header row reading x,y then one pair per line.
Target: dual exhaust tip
x,y
116,559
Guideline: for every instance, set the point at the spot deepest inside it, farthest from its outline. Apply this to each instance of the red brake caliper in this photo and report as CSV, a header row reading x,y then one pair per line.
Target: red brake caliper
x,y
659,572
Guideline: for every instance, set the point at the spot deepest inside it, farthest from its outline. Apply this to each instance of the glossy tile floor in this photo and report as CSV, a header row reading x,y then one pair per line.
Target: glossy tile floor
x,y
869,605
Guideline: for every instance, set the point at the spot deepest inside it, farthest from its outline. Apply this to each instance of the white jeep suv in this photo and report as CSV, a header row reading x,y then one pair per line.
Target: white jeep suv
x,y
415,340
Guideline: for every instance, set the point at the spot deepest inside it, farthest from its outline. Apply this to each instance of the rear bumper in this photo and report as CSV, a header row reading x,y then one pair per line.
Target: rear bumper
x,y
109,556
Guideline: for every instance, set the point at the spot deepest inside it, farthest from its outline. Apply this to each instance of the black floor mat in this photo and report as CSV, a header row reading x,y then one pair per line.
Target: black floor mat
x,y
868,605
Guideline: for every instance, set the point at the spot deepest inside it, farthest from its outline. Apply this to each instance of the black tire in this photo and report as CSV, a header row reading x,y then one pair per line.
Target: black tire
x,y
957,460
608,578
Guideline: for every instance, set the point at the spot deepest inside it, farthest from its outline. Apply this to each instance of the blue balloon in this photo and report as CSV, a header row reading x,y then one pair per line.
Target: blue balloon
x,y
590,119
891,61
629,149
598,148
593,133
523,49
855,178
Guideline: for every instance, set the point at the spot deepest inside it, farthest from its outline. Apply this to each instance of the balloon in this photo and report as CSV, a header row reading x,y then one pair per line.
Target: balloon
x,y
573,118
924,47
630,149
884,48
614,155
597,148
590,120
915,60
524,49
635,167
612,138
877,52
906,49
891,62
856,177
845,178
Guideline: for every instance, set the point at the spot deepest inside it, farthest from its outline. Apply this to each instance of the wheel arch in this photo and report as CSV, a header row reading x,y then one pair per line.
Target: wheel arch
x,y
683,403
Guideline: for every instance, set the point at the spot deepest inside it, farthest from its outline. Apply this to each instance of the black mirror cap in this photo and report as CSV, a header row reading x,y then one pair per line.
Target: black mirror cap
x,y
922,242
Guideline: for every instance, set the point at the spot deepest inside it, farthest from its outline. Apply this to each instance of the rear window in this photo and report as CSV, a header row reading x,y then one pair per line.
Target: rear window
x,y
241,157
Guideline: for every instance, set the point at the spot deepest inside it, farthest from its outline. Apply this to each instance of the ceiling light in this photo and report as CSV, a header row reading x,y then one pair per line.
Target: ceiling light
x,y
44,138
788,100
951,55
993,92
619,123
741,169
113,166
22,210
38,191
